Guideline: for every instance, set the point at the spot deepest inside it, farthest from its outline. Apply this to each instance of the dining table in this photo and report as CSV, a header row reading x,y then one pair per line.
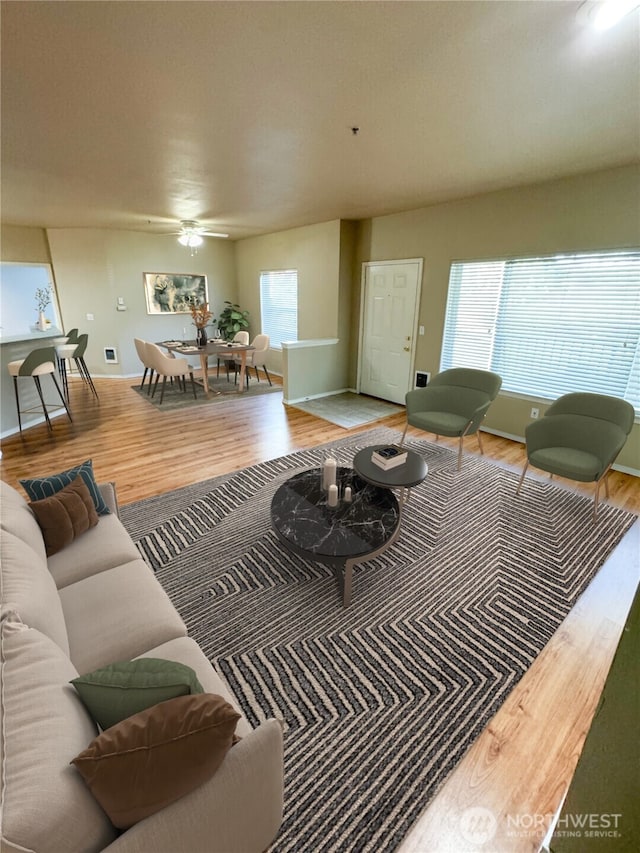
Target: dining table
x,y
212,347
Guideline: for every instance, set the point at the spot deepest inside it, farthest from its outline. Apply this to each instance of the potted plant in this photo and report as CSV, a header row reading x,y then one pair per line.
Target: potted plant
x,y
232,319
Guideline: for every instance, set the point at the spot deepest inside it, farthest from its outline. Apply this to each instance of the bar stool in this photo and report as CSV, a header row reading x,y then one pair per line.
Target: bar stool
x,y
38,363
75,350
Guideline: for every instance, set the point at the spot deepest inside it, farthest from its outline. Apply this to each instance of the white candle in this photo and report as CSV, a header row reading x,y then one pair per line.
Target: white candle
x,y
329,472
347,494
333,495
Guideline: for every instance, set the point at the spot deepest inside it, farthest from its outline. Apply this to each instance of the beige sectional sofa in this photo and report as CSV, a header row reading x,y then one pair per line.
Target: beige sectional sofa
x,y
92,604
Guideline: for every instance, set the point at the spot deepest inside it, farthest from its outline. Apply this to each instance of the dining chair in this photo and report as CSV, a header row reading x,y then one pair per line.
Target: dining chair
x,y
39,362
256,358
579,437
141,349
454,403
228,358
165,366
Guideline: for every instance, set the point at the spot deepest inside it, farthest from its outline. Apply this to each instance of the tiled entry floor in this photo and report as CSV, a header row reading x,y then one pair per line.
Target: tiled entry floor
x,y
349,410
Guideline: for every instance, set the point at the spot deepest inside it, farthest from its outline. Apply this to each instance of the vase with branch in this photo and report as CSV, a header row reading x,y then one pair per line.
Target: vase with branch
x,y
43,298
201,318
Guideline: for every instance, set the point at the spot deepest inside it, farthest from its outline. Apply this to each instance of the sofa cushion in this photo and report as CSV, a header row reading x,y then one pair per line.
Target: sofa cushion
x,y
28,588
65,516
103,547
153,758
185,650
123,689
45,805
44,487
117,615
17,518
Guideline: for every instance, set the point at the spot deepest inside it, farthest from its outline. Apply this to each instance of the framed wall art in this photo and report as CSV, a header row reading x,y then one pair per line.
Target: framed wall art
x,y
174,293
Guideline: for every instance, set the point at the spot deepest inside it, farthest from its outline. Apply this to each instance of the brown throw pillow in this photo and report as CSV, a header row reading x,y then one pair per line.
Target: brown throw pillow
x,y
153,758
65,516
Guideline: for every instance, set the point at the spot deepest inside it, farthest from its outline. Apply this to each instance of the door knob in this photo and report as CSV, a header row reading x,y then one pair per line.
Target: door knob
x,y
407,349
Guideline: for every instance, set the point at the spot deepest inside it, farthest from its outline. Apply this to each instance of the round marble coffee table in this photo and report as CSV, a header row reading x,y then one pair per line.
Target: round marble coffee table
x,y
341,536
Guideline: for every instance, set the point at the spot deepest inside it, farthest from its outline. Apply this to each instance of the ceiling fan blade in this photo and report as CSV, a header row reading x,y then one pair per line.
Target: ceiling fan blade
x,y
212,234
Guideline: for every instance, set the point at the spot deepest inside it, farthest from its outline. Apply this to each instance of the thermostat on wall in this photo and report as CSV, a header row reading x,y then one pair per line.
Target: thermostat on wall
x,y
111,355
422,379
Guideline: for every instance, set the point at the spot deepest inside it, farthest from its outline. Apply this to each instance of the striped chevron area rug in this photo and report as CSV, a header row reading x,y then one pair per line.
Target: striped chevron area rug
x,y
380,700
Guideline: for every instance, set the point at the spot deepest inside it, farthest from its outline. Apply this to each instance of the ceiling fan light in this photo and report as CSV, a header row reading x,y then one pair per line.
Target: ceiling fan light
x,y
606,13
190,240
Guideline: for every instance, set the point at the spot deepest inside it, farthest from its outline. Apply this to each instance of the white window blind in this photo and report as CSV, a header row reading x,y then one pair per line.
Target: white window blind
x,y
279,306
549,325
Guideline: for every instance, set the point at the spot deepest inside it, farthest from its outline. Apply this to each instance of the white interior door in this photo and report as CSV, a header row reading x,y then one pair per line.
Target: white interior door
x,y
389,312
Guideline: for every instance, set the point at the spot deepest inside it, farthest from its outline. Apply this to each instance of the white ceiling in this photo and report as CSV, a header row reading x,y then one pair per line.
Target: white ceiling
x,y
238,114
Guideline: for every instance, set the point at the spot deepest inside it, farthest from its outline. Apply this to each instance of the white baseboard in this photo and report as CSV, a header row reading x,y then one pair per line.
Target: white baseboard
x,y
35,422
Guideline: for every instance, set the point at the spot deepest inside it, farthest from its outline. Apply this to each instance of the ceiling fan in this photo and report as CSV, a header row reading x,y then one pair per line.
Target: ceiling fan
x,y
191,234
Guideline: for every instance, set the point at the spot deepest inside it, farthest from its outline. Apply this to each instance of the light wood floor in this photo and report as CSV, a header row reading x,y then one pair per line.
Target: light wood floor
x,y
522,764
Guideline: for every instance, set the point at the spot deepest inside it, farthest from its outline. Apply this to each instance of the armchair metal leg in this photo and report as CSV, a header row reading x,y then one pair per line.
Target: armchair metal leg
x,y
468,427
521,480
403,434
596,497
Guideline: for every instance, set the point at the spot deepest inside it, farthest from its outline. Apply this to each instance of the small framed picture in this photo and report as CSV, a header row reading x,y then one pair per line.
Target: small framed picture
x,y
174,293
111,355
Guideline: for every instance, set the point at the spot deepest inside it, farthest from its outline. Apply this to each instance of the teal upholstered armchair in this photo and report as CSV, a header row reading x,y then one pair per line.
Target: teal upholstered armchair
x,y
579,438
454,403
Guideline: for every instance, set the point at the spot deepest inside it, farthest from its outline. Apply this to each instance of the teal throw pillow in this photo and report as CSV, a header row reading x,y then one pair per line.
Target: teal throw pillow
x,y
46,487
118,691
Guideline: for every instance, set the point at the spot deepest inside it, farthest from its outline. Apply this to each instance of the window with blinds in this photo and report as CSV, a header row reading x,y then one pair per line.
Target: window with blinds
x,y
549,325
279,306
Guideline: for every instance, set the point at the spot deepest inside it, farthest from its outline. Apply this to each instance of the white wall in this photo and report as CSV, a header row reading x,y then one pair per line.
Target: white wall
x,y
93,267
588,212
315,252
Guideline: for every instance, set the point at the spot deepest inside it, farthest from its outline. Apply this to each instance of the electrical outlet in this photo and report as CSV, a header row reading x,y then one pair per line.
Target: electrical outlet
x,y
535,413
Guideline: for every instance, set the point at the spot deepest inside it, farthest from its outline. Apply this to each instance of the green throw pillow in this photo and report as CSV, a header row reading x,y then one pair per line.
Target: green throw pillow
x,y
118,691
46,487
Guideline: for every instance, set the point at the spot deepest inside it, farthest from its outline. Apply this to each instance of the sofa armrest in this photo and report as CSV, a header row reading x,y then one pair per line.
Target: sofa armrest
x,y
239,810
108,492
